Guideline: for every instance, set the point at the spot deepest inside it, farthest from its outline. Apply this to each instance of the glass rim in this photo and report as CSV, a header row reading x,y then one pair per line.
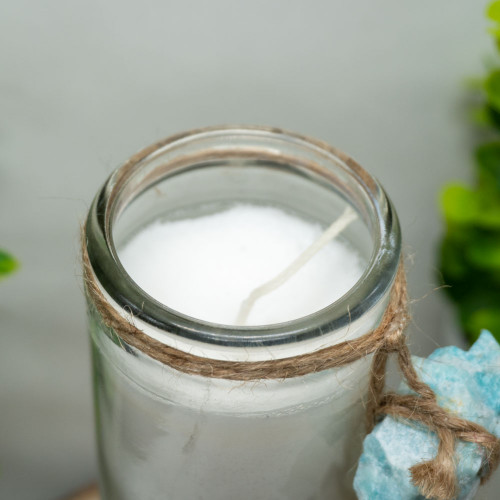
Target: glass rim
x,y
372,286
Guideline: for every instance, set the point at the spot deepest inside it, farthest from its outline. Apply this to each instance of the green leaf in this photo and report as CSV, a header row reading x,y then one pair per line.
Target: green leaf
x,y
484,253
488,116
484,318
489,218
485,117
463,206
7,264
493,11
453,266
492,88
488,159
460,205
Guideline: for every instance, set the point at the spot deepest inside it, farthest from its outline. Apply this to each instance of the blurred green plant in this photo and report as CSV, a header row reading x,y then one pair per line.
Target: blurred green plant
x,y
8,264
470,250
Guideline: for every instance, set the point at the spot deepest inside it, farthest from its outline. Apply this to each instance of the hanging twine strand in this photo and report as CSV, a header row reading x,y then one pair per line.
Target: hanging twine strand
x,y
436,478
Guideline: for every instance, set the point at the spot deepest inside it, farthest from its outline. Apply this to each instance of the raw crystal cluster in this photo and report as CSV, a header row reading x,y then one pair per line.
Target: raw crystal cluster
x,y
466,383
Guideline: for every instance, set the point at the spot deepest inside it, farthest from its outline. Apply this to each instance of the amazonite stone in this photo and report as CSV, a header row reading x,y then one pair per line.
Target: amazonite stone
x,y
466,383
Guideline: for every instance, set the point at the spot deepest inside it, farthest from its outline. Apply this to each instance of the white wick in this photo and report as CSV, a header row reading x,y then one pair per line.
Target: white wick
x,y
348,216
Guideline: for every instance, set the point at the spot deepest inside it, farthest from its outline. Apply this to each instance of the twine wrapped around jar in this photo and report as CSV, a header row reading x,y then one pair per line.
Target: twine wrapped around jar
x,y
435,478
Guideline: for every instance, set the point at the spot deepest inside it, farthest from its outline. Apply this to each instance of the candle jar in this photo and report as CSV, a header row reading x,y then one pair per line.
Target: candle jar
x,y
166,434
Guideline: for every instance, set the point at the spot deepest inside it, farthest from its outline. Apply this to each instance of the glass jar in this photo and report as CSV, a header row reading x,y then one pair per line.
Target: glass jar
x,y
163,434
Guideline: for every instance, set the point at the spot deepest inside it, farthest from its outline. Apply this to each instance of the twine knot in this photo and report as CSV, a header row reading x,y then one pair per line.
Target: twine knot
x,y
395,337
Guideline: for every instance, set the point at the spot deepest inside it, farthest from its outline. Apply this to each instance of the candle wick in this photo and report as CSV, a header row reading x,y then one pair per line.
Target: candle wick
x,y
348,216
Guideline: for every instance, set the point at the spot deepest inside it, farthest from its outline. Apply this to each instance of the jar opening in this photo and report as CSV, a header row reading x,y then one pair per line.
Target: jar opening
x,y
206,170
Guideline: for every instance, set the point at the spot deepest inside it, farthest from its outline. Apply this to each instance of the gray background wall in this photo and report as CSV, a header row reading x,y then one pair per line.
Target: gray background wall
x,y
85,84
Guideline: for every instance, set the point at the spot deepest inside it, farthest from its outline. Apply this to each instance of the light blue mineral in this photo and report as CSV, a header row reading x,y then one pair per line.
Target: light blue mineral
x,y
465,383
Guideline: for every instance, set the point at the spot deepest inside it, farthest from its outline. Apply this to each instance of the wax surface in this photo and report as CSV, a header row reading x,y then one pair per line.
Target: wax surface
x,y
205,267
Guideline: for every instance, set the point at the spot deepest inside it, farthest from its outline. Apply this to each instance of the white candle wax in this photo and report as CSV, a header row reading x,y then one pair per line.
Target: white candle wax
x,y
205,267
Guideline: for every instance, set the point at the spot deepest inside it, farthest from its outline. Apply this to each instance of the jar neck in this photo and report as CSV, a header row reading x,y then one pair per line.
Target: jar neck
x,y
246,151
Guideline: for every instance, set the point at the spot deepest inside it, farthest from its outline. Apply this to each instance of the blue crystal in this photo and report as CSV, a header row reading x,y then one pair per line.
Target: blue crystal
x,y
466,383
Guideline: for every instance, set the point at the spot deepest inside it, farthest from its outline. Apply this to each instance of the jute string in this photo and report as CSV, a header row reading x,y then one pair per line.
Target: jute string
x,y
435,478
